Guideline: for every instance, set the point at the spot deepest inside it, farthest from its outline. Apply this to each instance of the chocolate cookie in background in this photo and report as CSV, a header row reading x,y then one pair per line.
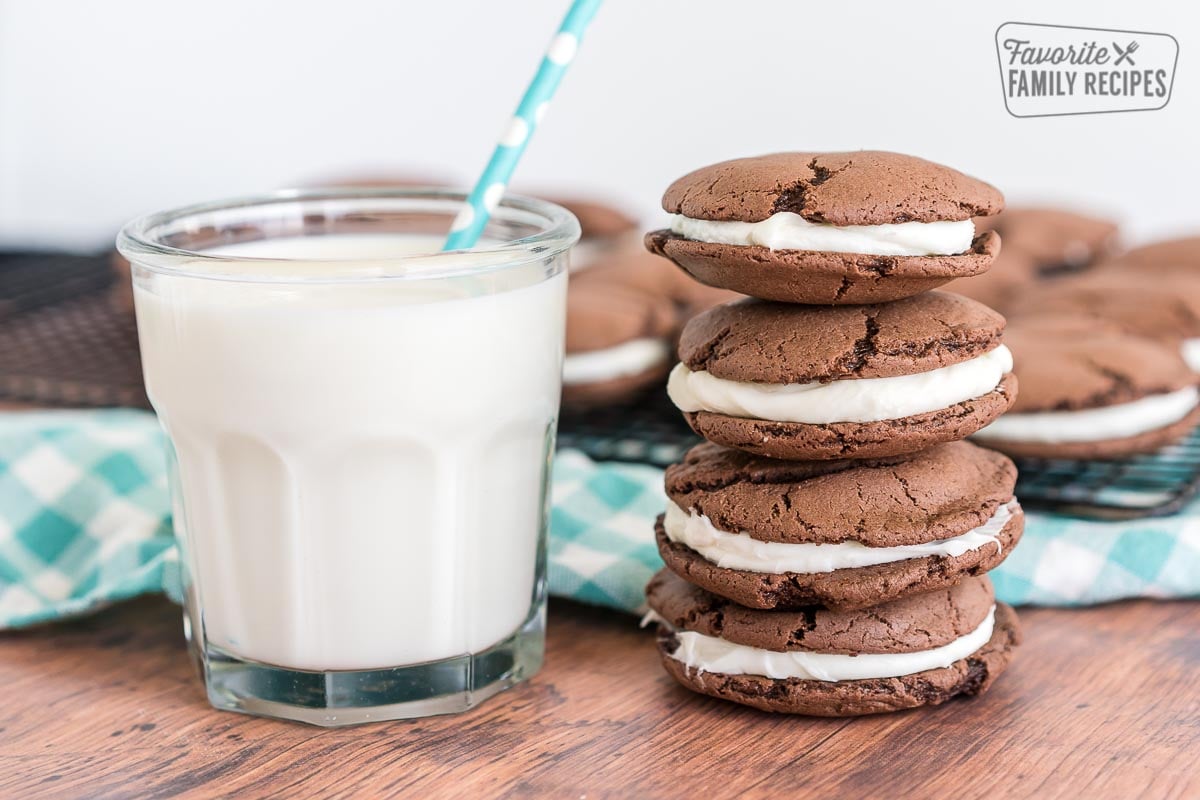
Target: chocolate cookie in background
x,y
1058,241
828,228
607,359
1090,390
618,342
920,650
632,266
604,229
695,298
816,383
1166,309
841,534
1011,273
1170,256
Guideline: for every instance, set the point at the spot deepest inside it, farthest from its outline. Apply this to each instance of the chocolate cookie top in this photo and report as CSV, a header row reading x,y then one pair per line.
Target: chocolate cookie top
x,y
597,220
606,315
865,187
760,341
1053,237
1069,363
1012,271
936,494
1168,253
919,622
634,268
1166,307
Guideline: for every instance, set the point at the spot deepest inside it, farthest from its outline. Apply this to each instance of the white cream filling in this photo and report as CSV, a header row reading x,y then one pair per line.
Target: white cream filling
x,y
710,654
849,400
789,231
629,358
741,551
1190,350
1094,424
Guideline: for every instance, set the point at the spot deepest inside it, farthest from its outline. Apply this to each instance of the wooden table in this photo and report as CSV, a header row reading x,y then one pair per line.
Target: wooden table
x,y
1103,702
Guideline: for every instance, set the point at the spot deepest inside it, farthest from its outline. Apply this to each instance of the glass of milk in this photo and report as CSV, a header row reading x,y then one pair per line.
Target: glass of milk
x,y
360,433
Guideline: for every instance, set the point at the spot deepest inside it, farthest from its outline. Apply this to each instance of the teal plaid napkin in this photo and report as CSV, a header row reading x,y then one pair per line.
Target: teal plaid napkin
x,y
84,522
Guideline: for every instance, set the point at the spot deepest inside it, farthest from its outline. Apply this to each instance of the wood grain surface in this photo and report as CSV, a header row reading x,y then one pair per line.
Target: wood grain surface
x,y
1100,703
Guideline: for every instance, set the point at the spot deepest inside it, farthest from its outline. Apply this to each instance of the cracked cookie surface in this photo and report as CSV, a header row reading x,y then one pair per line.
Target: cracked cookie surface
x,y
936,494
1060,368
765,342
864,187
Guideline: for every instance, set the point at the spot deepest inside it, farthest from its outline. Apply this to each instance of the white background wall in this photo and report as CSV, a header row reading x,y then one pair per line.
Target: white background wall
x,y
111,108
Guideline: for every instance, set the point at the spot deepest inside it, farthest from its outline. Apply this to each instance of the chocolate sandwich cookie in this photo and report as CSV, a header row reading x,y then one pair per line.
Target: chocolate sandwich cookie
x,y
1092,391
695,298
597,219
828,228
634,269
618,341
637,269
1166,309
1000,287
1170,255
1056,240
805,383
603,229
921,650
842,534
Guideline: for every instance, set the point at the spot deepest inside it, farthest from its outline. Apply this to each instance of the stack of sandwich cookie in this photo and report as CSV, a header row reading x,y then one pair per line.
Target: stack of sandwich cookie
x,y
826,548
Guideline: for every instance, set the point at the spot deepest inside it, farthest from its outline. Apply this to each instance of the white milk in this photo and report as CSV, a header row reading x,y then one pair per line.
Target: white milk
x,y
361,465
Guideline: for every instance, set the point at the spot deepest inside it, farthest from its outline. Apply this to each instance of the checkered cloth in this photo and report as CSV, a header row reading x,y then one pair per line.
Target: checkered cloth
x,y
84,522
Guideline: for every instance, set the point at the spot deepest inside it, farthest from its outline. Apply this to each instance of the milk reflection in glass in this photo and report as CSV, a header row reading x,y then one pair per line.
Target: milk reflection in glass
x,y
360,462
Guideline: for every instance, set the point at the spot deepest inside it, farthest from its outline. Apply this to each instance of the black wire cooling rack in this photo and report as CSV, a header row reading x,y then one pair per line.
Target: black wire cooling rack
x,y
1142,486
64,342
646,430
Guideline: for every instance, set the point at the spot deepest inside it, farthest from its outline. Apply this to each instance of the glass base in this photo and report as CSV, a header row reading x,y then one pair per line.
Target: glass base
x,y
352,697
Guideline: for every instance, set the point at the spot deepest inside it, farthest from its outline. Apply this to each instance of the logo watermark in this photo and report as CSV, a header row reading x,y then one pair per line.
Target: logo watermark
x,y
1056,70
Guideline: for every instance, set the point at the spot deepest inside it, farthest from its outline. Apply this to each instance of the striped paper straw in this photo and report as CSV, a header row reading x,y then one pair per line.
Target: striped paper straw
x,y
484,198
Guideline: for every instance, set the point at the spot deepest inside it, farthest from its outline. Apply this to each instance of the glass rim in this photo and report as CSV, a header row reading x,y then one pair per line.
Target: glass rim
x,y
138,242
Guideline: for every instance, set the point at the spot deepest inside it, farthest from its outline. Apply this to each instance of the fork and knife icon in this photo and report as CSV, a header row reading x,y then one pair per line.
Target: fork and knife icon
x,y
1126,54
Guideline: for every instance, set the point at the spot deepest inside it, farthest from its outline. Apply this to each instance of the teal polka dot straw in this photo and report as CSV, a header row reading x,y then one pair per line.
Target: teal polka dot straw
x,y
470,222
